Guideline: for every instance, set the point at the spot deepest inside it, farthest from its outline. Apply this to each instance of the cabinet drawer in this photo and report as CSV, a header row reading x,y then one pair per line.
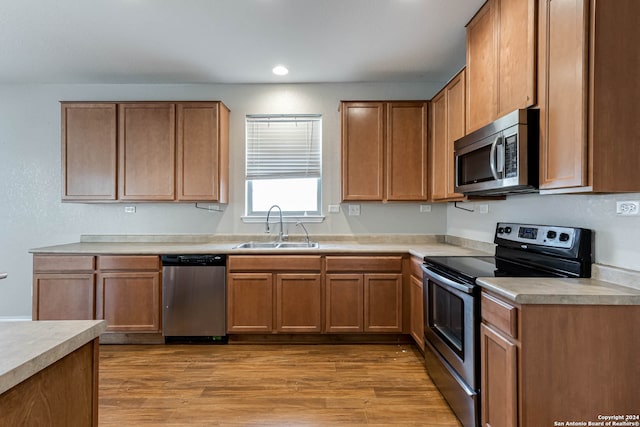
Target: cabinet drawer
x,y
500,314
274,263
364,264
54,263
136,262
415,267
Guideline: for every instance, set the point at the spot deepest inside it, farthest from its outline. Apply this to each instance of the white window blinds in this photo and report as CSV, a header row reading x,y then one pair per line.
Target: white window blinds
x,y
284,146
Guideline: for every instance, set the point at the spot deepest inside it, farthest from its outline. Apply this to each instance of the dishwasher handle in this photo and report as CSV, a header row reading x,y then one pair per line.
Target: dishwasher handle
x,y
204,260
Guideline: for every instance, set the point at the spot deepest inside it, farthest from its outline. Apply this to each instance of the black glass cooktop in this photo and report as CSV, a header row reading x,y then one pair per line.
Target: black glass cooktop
x,y
470,267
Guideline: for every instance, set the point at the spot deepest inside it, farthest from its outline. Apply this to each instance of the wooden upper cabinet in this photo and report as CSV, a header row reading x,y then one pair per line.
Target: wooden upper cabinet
x,y
407,151
88,151
202,168
447,125
384,150
145,151
146,143
501,60
362,150
588,63
481,68
516,54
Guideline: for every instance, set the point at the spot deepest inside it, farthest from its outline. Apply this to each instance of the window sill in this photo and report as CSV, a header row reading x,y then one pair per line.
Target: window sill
x,y
261,219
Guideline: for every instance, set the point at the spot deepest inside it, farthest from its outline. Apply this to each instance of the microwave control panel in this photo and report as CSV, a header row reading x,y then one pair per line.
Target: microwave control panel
x,y
511,156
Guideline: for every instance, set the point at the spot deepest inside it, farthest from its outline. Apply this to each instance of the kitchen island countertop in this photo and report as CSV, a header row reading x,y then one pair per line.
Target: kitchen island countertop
x,y
28,347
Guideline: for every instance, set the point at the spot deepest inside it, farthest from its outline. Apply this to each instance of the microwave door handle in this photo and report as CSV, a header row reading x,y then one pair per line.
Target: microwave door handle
x,y
492,159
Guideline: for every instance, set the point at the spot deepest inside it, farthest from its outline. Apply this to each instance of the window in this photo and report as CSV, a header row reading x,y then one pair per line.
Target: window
x,y
284,164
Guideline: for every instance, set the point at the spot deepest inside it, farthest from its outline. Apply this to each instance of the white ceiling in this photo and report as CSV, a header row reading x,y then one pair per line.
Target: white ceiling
x,y
231,41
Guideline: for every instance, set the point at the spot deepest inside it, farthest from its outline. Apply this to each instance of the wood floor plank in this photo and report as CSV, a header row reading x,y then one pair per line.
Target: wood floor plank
x,y
268,385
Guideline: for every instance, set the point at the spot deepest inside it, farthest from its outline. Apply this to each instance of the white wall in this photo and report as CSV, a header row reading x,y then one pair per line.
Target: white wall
x,y
31,214
617,238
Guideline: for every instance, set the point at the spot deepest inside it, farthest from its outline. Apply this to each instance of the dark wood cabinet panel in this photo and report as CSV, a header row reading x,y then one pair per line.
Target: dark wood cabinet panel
x,y
416,311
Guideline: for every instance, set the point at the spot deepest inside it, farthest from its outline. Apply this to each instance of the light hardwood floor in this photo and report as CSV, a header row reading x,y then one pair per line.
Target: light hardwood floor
x,y
268,385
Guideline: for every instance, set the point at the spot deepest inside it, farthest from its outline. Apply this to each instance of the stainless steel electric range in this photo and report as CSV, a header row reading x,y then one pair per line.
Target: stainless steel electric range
x,y
452,300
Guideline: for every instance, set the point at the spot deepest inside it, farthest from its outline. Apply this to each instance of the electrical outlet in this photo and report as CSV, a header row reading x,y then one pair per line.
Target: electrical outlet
x,y
483,208
354,210
628,208
129,209
334,208
425,208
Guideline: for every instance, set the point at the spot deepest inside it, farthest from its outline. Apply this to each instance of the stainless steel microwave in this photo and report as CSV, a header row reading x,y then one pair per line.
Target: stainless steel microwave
x,y
499,158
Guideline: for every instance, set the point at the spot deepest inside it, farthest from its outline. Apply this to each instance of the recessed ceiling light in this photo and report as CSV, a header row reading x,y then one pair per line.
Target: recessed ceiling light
x,y
280,70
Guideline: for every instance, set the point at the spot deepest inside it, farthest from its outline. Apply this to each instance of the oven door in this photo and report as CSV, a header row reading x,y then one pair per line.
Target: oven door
x,y
451,317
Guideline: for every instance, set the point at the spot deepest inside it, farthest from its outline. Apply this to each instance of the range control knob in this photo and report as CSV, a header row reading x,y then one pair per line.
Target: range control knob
x,y
551,234
507,230
500,230
564,237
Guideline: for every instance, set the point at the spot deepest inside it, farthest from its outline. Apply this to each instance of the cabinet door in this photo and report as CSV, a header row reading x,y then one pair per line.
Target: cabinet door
x,y
344,303
417,314
481,68
383,302
499,376
439,149
250,302
63,296
362,150
298,303
146,143
516,46
200,153
129,302
89,151
456,107
563,105
407,168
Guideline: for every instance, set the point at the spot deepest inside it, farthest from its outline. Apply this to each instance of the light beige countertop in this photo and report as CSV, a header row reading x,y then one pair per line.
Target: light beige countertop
x,y
622,287
130,245
540,290
27,347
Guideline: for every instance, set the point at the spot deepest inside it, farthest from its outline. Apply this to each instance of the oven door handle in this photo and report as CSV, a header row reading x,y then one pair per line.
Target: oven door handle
x,y
446,281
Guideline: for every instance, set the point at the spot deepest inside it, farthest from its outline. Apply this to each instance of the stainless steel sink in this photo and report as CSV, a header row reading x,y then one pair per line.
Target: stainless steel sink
x,y
277,245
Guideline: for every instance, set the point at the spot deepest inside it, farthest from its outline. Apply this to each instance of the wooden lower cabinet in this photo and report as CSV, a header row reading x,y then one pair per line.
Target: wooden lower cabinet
x,y
250,302
363,294
416,323
499,374
544,363
274,294
63,287
64,393
129,301
298,303
344,303
129,293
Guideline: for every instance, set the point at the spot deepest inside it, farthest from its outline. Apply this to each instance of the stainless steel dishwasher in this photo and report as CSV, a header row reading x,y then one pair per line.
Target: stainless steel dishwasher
x,y
193,297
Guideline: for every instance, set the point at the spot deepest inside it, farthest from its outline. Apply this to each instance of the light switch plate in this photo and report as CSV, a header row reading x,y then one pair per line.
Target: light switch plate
x,y
334,208
129,209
